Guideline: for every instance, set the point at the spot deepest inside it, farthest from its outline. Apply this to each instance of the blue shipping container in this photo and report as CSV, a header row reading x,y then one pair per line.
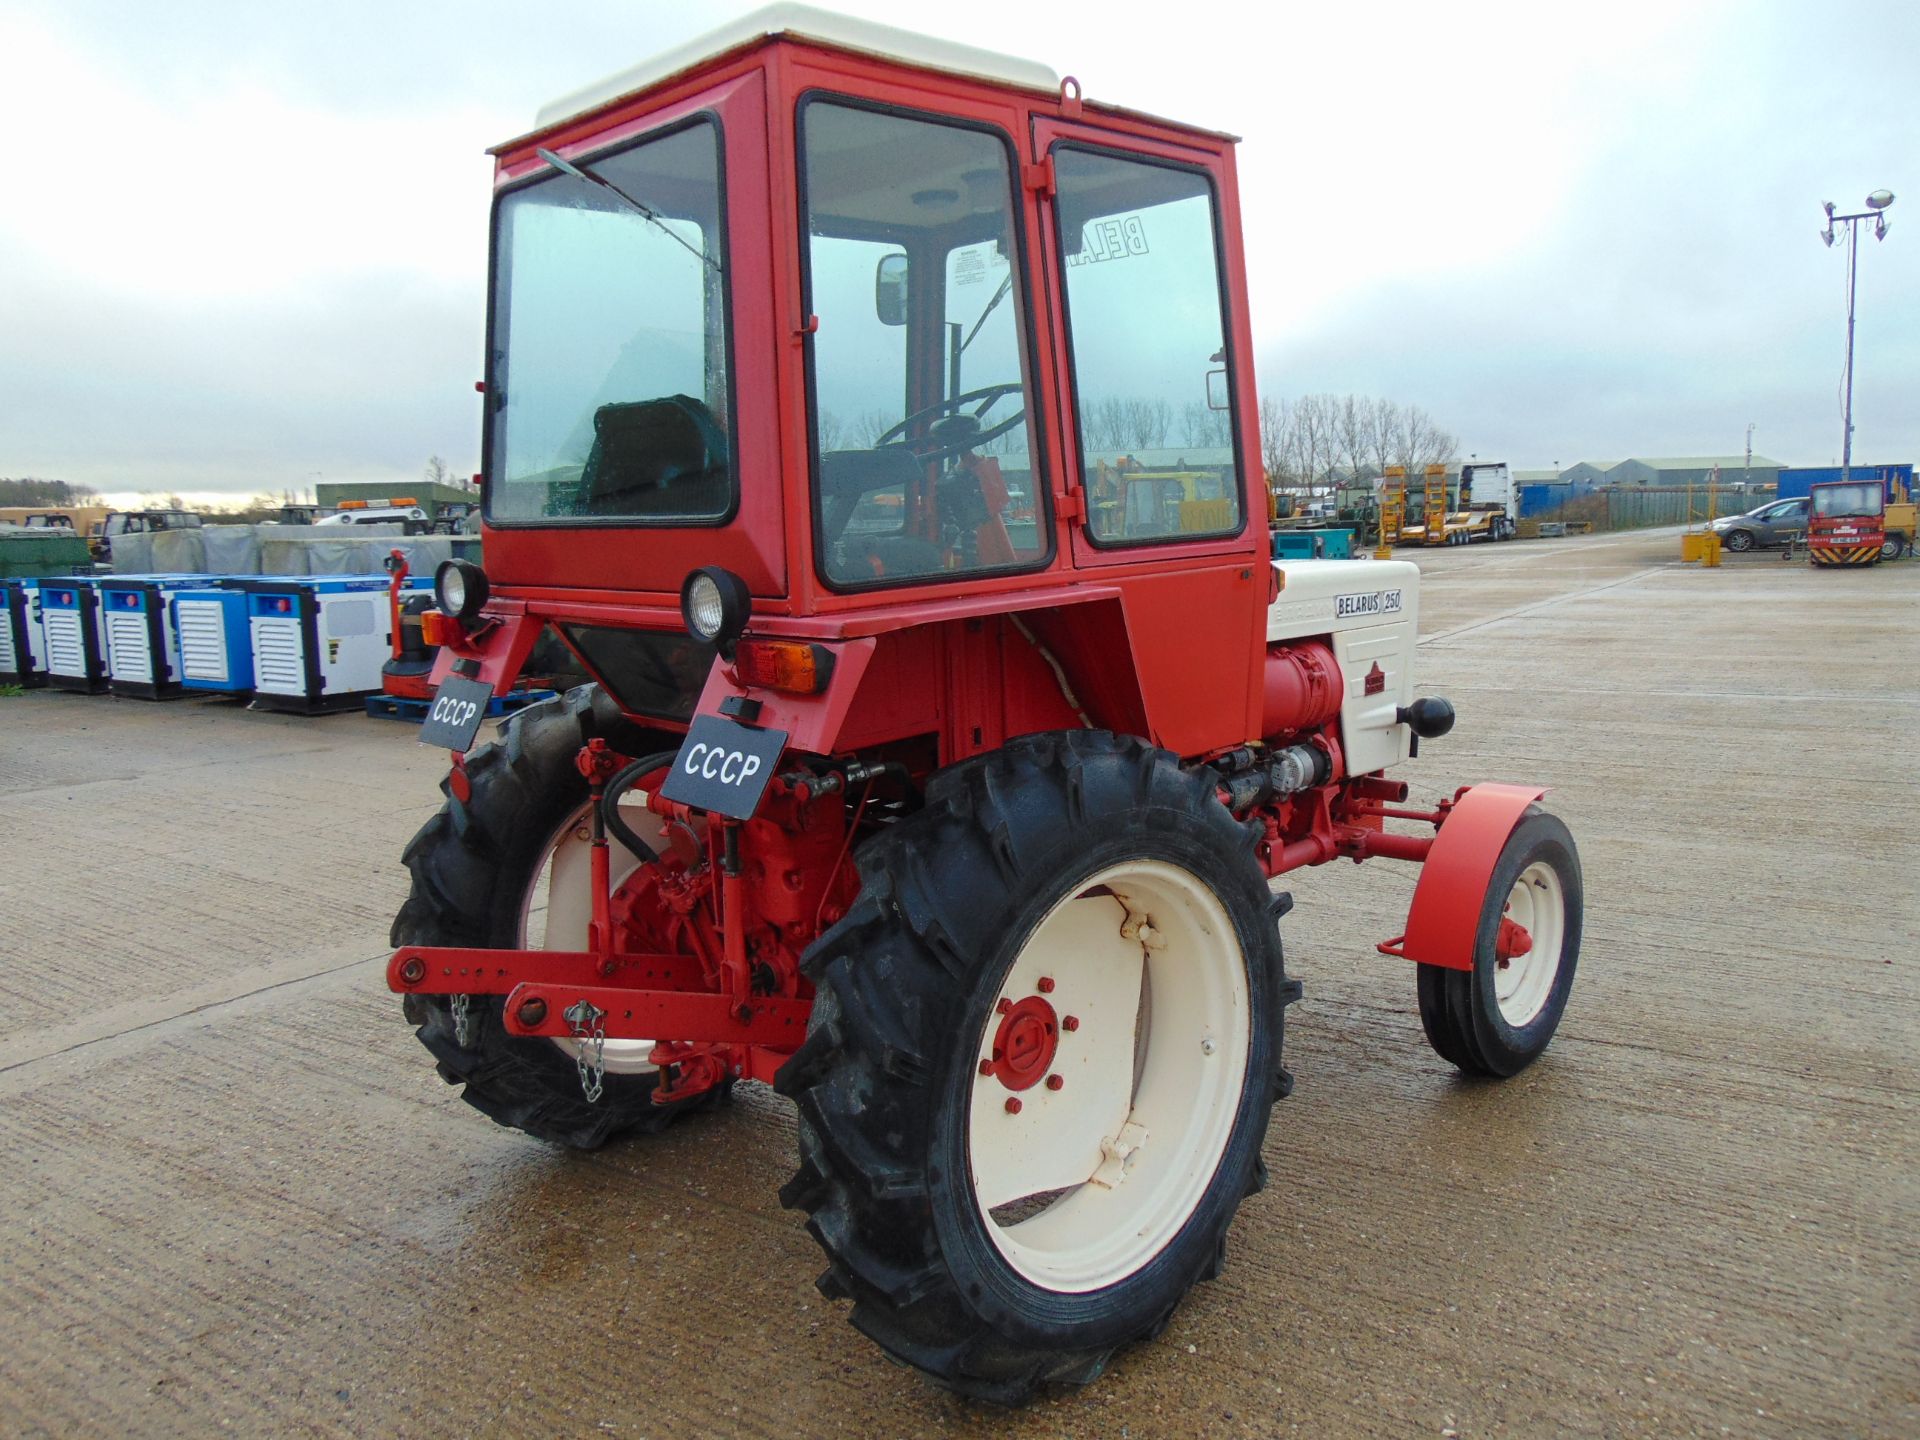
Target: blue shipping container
x,y
1797,480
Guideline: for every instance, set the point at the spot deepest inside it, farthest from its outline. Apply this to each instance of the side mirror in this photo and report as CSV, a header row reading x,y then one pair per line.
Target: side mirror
x,y
890,290
1218,397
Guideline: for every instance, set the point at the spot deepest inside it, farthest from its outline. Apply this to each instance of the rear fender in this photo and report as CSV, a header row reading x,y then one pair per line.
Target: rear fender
x,y
813,722
1444,917
498,649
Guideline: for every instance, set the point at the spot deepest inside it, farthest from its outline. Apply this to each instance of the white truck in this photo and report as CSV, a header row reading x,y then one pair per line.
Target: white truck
x,y
1482,504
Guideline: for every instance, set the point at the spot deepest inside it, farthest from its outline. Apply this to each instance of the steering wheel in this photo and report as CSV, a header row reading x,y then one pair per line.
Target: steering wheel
x,y
951,440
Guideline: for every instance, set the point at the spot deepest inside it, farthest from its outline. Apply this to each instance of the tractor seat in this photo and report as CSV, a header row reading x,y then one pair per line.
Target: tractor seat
x,y
660,456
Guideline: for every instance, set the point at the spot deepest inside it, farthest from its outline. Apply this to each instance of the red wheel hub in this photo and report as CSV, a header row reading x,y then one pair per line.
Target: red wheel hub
x,y
1023,1046
1511,942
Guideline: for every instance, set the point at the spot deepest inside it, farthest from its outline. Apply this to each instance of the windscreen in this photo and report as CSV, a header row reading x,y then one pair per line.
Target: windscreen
x,y
608,391
1861,498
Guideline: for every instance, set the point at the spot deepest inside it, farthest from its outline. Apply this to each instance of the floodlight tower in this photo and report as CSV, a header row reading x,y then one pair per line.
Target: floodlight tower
x,y
1877,204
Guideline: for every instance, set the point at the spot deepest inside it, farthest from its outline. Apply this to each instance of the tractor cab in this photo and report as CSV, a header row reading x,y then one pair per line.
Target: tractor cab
x,y
868,322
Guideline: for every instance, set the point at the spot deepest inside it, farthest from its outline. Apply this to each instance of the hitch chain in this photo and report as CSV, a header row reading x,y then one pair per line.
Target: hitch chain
x,y
584,1018
462,1007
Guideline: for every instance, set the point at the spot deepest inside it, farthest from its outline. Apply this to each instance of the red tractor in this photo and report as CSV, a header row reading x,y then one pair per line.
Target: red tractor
x,y
934,772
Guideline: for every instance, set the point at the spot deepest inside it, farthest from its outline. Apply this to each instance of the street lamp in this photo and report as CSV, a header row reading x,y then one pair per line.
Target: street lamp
x,y
1877,204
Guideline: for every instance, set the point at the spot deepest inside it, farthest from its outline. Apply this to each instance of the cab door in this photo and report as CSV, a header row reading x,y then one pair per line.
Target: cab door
x,y
1147,298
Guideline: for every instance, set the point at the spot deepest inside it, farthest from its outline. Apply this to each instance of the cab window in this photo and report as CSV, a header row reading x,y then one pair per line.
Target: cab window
x,y
921,388
1148,337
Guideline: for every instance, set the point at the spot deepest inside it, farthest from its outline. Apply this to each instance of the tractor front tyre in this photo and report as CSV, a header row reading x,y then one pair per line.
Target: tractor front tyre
x,y
487,868
1497,1018
1044,1046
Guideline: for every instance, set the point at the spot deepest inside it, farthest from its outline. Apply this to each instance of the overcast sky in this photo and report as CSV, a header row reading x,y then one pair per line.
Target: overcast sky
x,y
242,246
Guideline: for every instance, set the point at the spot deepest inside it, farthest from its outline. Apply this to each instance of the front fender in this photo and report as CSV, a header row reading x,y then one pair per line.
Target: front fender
x,y
1444,917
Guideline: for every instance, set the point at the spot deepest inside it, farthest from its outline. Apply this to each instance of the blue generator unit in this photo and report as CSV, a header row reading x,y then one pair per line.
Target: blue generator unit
x,y
76,635
143,653
318,640
23,639
216,642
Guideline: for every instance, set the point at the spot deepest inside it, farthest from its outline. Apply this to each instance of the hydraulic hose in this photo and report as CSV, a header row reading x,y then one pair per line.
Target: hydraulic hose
x,y
622,781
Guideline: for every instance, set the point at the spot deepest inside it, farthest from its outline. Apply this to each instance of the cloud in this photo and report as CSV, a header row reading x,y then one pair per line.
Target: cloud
x,y
246,243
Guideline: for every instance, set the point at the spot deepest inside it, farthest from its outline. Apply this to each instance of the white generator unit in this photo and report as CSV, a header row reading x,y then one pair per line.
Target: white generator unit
x,y
23,638
76,635
318,640
143,652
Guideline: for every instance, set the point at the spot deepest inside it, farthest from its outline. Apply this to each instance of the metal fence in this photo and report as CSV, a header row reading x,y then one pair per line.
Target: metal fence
x,y
1639,507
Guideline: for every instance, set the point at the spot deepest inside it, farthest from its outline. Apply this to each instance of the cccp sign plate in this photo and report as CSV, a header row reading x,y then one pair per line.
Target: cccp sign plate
x,y
454,717
724,766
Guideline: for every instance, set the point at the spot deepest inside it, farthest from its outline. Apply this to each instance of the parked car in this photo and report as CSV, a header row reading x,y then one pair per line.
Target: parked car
x,y
140,522
411,518
1778,522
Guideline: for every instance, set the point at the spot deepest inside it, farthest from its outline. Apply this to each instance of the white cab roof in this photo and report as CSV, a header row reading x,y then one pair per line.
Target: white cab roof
x,y
804,22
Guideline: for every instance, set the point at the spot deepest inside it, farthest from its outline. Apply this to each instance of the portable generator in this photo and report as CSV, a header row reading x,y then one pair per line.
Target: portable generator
x,y
143,652
216,644
76,635
23,639
318,640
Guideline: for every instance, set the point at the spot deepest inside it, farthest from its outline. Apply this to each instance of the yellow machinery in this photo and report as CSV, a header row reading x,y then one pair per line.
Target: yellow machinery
x,y
1703,545
1432,529
1393,509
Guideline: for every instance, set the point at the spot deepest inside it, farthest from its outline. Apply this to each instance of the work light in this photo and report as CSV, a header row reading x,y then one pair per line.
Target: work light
x,y
715,604
460,589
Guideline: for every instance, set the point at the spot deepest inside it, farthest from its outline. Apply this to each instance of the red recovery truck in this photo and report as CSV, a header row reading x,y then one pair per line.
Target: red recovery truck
x,y
921,778
1846,522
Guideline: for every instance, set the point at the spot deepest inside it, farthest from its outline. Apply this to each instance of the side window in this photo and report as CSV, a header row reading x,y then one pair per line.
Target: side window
x,y
1145,322
921,396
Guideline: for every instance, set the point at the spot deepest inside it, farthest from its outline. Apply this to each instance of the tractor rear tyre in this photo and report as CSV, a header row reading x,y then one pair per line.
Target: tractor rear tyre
x,y
476,866
1044,1047
1497,1018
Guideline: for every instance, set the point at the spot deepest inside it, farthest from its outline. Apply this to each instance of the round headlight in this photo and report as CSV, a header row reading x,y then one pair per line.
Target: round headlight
x,y
460,588
715,605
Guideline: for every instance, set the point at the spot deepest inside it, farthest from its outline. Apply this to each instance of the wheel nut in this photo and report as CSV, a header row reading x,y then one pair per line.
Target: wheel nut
x,y
413,970
1013,1105
1055,1082
532,1013
986,1067
1003,1007
1069,1022
1045,987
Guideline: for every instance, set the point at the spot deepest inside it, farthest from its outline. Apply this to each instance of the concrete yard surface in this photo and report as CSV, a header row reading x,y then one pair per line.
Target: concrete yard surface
x,y
235,1195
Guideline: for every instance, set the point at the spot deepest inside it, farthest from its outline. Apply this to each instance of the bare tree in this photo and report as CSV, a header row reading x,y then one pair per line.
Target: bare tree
x,y
868,426
1274,422
1107,423
1310,443
1418,441
1206,426
1149,422
1353,425
1383,427
437,472
833,431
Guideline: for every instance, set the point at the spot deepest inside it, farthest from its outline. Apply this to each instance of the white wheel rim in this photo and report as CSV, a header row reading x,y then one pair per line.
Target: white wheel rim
x,y
1090,1181
1522,983
558,906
